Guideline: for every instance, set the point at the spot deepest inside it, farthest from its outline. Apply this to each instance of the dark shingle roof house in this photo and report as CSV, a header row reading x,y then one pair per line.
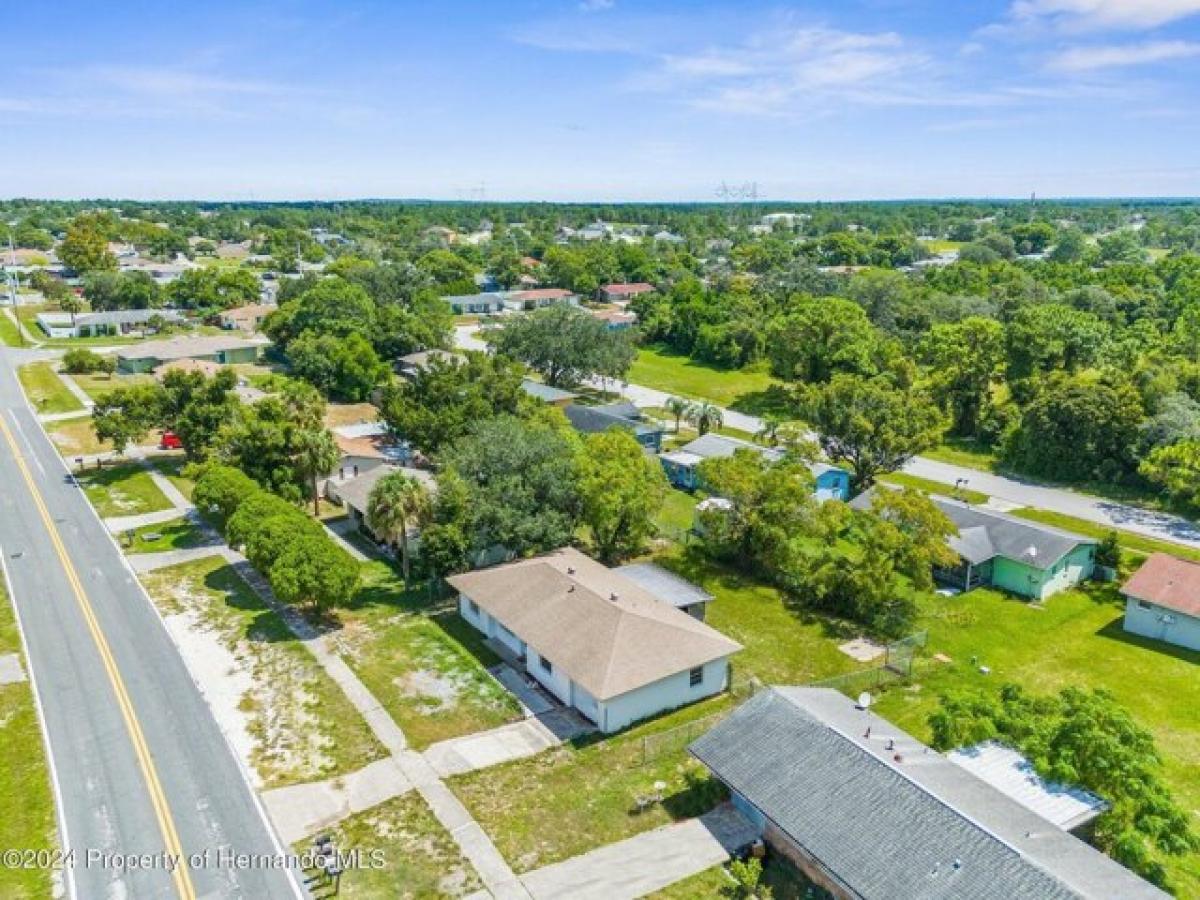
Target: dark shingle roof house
x,y
1017,555
597,419
883,816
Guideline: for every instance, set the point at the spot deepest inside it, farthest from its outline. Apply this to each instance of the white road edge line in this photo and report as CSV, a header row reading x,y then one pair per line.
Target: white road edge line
x,y
55,787
297,891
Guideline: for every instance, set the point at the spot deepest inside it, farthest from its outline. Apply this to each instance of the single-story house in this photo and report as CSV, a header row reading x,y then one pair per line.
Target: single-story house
x,y
483,304
538,298
682,465
205,367
1002,551
1162,601
669,588
594,638
547,394
615,319
411,363
623,293
597,419
247,318
867,811
221,350
355,495
95,324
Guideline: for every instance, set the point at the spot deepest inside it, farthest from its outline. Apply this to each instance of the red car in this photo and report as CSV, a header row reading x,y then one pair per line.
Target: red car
x,y
170,441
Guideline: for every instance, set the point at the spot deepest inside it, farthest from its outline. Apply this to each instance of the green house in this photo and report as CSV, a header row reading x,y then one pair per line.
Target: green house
x,y
1014,555
216,349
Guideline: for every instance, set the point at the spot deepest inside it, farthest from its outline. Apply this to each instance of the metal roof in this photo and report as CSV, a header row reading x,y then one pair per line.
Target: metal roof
x,y
665,585
1011,773
896,819
545,392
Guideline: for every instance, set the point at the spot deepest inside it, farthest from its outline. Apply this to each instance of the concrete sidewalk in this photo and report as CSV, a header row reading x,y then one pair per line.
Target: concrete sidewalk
x,y
300,810
646,862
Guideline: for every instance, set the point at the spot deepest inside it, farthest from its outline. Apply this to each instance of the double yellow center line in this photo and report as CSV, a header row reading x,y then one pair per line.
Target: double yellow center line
x,y
180,874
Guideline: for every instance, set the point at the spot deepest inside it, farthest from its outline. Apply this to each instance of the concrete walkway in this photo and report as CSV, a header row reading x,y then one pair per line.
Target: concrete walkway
x,y
528,737
300,810
646,862
149,562
73,386
119,524
336,529
167,486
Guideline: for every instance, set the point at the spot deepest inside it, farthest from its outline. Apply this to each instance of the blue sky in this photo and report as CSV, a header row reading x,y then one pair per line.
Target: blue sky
x,y
600,99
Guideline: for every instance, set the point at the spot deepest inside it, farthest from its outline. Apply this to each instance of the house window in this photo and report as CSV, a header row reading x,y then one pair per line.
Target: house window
x,y
545,664
696,676
473,606
1142,604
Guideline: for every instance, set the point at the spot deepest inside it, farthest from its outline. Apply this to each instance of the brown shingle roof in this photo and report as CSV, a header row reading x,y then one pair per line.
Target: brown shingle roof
x,y
605,631
1167,581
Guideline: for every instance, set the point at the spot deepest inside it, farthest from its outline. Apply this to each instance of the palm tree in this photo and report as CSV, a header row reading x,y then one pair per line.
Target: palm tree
x,y
769,432
679,408
397,504
316,454
705,416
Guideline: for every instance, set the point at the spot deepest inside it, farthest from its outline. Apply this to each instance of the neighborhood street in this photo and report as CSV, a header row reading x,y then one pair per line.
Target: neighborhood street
x,y
1150,523
138,762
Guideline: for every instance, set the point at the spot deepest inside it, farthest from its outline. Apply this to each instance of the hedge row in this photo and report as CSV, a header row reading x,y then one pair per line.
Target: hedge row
x,y
303,564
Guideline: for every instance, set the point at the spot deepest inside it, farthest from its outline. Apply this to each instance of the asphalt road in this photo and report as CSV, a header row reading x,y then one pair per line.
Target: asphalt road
x,y
1021,492
140,765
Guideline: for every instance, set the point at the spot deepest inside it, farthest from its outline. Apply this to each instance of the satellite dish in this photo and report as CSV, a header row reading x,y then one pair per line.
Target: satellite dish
x,y
864,700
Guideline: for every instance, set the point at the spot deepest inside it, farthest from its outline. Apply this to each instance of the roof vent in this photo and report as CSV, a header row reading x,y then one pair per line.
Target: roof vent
x,y
570,588
1031,552
958,863
612,597
570,570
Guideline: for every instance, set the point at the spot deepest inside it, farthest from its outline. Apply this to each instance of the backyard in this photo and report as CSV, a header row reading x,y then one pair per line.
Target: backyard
x,y
424,663
46,392
286,718
26,804
1075,638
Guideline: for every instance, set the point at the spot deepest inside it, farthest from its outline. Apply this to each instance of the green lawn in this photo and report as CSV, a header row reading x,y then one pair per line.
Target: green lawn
x,y
76,437
784,880
302,726
659,368
1075,638
424,663
172,467
96,385
964,452
26,802
420,859
677,513
572,799
124,490
45,390
930,486
8,330
178,534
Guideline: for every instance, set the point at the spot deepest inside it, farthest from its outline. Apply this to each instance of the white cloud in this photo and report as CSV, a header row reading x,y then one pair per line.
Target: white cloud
x,y
1087,59
792,68
1128,14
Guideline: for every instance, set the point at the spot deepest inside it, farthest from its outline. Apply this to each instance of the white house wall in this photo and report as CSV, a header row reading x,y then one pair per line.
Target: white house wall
x,y
668,693
555,681
1152,622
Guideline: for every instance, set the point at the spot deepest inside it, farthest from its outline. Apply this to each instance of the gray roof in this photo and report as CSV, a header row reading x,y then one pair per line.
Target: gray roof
x,y
666,586
493,298
718,446
112,317
545,392
904,822
356,492
595,419
622,408
984,534
186,347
